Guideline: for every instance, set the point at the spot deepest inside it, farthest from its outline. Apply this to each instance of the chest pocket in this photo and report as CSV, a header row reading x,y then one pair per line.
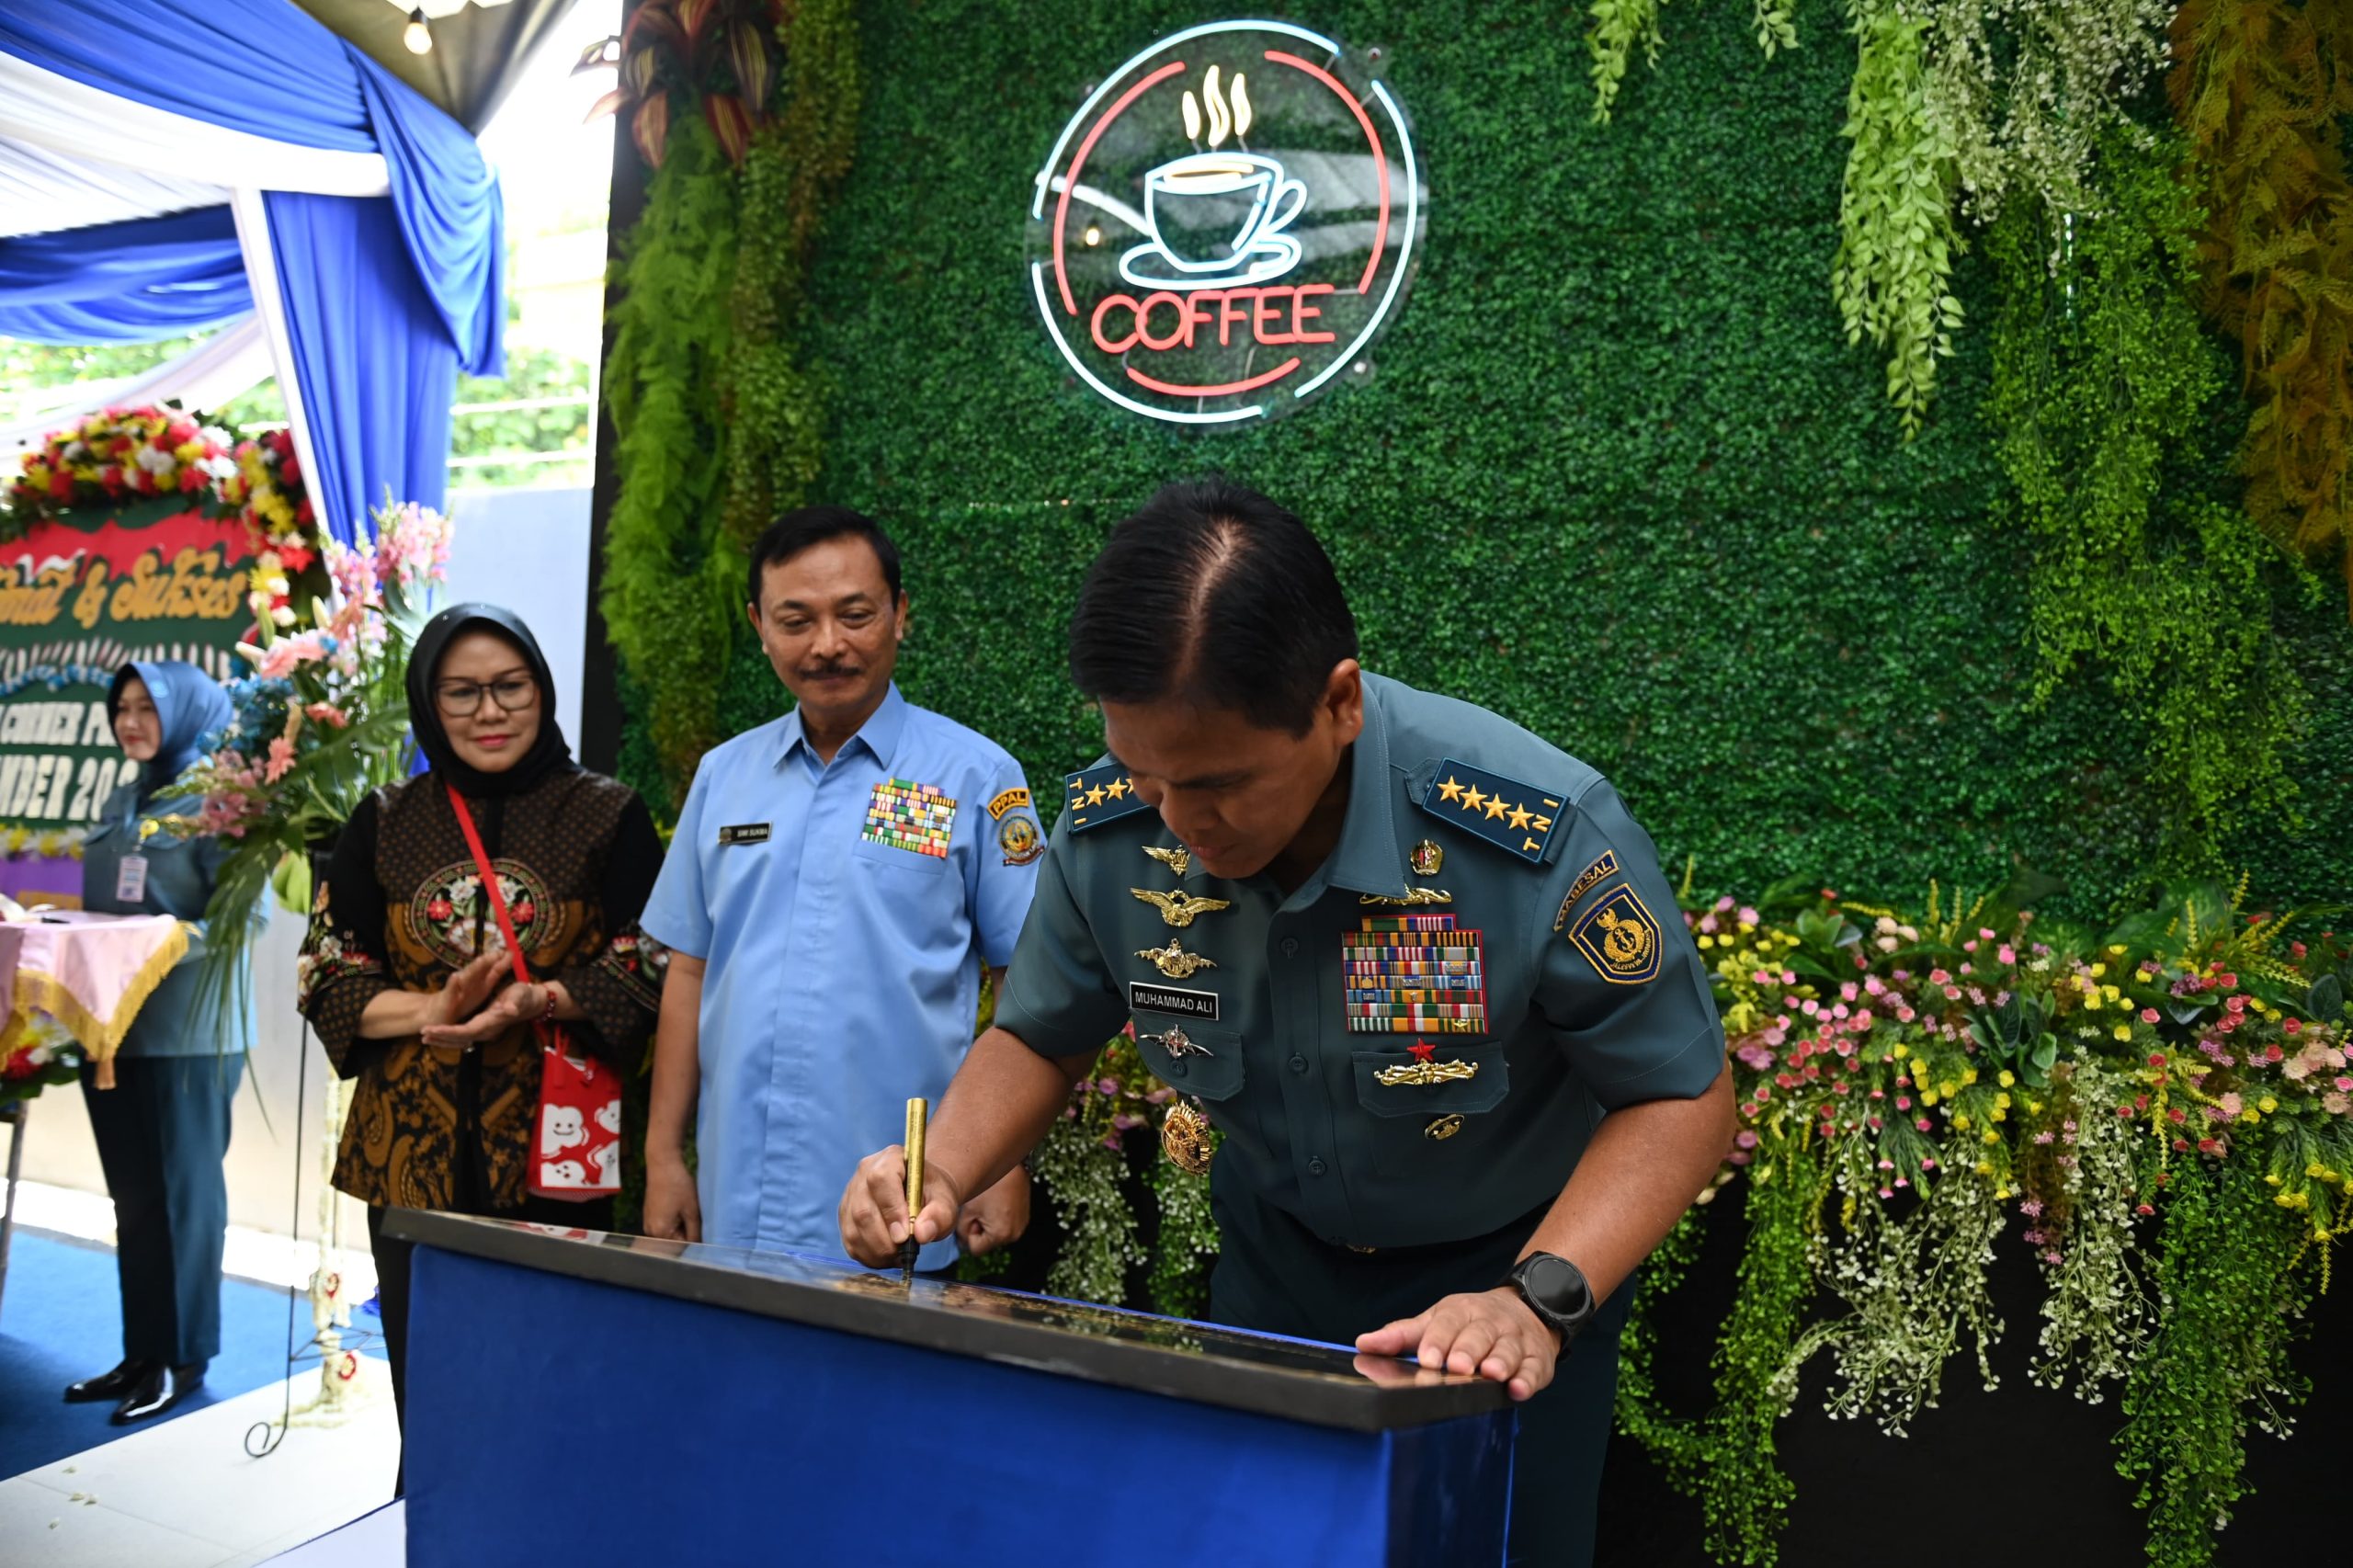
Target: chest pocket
x,y
1202,1059
891,859
1460,1079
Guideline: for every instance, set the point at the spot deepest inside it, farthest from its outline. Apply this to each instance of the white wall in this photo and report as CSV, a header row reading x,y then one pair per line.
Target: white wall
x,y
526,549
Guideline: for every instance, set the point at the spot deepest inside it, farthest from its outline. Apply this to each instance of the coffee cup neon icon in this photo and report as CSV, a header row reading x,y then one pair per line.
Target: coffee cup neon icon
x,y
1216,219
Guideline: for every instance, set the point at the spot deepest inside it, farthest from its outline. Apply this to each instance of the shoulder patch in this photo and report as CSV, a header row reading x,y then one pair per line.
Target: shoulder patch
x,y
1007,802
1619,938
1100,795
1506,813
1604,867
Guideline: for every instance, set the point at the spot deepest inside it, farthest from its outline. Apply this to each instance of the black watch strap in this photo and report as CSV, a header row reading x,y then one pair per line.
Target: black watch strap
x,y
1556,1291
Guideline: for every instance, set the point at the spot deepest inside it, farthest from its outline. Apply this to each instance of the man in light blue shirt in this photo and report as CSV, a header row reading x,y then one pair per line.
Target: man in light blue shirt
x,y
836,883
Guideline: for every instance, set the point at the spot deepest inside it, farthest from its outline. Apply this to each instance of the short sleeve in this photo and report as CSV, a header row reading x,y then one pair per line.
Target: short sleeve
x,y
1006,866
677,914
1618,977
1058,997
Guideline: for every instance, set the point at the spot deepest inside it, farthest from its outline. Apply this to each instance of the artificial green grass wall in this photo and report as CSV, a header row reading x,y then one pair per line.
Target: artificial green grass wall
x,y
1616,473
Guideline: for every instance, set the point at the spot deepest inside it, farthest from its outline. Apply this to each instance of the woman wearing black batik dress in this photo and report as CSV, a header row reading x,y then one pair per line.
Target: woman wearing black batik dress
x,y
404,974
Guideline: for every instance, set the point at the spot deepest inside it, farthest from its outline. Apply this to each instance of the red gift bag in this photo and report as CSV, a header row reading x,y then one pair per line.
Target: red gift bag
x,y
577,1145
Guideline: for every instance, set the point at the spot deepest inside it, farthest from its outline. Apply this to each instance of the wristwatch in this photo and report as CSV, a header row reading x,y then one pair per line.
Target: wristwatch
x,y
1555,1291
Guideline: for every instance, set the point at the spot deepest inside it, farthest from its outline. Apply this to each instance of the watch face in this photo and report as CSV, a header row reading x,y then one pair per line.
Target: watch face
x,y
1556,1283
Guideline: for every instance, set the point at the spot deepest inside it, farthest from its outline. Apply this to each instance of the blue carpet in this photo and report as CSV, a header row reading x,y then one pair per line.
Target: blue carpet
x,y
61,1320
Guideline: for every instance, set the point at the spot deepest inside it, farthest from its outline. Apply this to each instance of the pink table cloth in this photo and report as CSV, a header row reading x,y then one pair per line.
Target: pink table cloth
x,y
90,972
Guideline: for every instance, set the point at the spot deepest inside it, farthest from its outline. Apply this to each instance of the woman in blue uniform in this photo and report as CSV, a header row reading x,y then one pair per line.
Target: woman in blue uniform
x,y
163,1130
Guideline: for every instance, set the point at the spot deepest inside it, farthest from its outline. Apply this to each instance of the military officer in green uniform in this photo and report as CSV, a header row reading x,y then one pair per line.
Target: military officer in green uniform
x,y
1416,968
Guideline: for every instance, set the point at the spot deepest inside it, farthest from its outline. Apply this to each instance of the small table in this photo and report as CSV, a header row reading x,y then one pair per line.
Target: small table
x,y
90,972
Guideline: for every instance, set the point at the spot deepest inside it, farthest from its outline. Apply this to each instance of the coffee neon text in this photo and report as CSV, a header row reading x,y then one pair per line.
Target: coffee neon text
x,y
1259,312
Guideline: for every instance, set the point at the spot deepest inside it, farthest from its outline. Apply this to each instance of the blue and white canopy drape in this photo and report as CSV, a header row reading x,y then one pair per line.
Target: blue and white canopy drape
x,y
172,164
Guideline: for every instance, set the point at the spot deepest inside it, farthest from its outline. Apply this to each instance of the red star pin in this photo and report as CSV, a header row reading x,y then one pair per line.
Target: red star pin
x,y
1423,1049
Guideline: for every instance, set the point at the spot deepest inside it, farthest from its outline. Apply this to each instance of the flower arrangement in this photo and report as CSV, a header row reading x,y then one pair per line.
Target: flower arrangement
x,y
36,1054
115,454
1919,1088
320,722
264,491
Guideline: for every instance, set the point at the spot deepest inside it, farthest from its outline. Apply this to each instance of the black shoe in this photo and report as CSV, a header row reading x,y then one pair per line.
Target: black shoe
x,y
157,1393
108,1385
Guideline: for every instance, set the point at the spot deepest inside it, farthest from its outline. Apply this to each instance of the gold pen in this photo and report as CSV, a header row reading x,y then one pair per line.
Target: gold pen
x,y
918,1112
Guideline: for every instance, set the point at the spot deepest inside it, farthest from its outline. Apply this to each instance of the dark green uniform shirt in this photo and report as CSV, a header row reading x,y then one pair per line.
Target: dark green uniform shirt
x,y
1415,1046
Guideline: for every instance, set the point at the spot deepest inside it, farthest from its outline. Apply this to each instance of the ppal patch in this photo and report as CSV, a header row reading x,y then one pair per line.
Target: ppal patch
x,y
910,816
1619,936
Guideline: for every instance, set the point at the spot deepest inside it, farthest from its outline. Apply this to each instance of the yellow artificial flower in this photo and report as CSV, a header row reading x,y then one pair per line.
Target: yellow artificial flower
x,y
1969,1075
1927,1096
2124,1032
1992,1137
2266,1105
2005,1078
2092,1001
1902,1048
1960,1123
2098,970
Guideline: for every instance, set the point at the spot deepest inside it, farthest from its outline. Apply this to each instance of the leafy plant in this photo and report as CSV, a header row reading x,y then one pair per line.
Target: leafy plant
x,y
1897,237
2102,378
1617,26
2262,87
720,54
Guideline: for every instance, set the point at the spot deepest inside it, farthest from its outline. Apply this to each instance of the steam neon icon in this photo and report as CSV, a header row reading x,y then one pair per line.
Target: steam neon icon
x,y
1232,274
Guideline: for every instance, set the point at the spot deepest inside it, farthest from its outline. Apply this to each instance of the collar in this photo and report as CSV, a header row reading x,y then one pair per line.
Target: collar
x,y
1366,858
880,734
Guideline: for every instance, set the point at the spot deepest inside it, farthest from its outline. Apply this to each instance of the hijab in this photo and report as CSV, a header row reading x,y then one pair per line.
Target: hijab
x,y
548,755
190,707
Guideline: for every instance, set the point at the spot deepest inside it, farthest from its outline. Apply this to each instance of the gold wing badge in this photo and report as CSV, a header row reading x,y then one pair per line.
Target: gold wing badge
x,y
1173,961
1414,898
1181,908
1177,861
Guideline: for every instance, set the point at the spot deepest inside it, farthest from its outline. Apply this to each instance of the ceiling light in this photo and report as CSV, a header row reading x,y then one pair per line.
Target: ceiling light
x,y
416,35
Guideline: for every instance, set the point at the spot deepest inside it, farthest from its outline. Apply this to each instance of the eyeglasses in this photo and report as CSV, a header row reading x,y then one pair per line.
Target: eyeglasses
x,y
459,698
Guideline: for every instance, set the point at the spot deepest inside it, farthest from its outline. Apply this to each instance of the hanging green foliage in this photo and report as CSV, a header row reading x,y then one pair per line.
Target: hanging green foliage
x,y
660,388
1897,237
719,420
2219,1366
774,403
2103,381
2263,87
1617,26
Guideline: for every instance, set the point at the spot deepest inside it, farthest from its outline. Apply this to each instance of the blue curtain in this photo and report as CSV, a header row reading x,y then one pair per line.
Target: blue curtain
x,y
376,370
267,67
131,282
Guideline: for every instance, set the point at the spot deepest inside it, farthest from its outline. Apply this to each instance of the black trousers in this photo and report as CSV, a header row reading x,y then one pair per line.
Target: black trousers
x,y
162,1131
1275,1276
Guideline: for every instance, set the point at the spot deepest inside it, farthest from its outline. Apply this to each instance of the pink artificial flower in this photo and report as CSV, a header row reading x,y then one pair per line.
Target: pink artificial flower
x,y
281,760
2008,954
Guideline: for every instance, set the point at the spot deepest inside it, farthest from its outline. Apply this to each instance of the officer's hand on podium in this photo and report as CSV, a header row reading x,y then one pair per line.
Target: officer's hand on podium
x,y
672,1208
998,1217
874,1208
1492,1333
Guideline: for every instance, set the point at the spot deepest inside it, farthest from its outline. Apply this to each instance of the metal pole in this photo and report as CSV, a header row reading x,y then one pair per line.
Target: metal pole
x,y
13,1114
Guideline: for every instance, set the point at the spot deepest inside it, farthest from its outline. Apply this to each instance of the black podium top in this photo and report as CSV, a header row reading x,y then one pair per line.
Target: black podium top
x,y
1294,1380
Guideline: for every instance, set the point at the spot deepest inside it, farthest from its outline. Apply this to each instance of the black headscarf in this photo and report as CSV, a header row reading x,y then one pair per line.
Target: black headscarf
x,y
548,753
190,707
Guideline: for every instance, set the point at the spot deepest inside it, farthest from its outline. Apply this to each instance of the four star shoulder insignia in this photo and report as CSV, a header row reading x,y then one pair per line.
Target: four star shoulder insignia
x,y
1098,795
1511,816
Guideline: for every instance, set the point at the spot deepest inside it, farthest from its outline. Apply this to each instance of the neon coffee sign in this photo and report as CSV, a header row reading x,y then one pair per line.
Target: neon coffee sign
x,y
1227,223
